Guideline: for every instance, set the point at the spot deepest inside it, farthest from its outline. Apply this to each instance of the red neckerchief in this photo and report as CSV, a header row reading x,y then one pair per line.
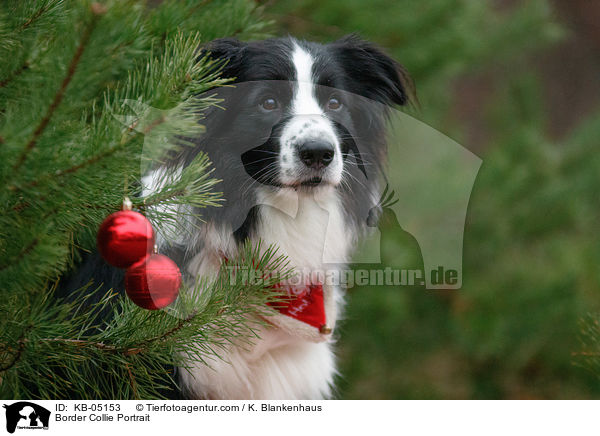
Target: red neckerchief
x,y
306,303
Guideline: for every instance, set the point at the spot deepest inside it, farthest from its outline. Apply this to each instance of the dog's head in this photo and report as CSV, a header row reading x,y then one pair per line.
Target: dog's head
x,y
300,116
303,96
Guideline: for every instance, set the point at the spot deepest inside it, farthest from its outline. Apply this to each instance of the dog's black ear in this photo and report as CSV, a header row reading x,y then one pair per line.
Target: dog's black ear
x,y
227,50
375,75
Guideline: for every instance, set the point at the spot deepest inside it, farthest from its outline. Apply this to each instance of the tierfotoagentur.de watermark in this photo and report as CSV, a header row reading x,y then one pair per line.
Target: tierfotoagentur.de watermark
x,y
344,278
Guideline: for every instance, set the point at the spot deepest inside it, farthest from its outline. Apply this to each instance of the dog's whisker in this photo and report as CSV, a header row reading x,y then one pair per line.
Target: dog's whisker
x,y
264,174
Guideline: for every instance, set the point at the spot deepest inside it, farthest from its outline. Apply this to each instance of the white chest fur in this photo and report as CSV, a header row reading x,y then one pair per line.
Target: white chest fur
x,y
307,227
309,230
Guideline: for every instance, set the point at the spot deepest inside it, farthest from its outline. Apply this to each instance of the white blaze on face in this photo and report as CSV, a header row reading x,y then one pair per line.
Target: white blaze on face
x,y
304,102
308,121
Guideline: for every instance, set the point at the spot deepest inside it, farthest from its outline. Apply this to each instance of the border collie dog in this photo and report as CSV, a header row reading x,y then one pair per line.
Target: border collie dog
x,y
299,144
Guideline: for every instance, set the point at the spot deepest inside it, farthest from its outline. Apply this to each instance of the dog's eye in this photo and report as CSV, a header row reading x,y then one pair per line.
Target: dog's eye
x,y
334,103
269,104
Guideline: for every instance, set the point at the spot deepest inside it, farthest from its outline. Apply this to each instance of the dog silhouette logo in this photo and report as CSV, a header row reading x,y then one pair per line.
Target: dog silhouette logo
x,y
403,187
26,415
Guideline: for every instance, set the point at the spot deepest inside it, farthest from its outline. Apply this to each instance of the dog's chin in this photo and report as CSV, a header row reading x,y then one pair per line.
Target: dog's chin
x,y
309,184
313,182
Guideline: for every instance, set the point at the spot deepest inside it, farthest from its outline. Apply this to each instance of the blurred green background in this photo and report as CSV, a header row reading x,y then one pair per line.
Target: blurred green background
x,y
517,83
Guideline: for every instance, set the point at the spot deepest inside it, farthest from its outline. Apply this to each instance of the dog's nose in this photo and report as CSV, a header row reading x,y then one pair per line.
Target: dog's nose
x,y
316,154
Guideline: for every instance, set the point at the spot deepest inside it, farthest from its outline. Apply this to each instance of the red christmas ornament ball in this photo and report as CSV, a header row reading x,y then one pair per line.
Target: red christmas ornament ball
x,y
124,238
153,282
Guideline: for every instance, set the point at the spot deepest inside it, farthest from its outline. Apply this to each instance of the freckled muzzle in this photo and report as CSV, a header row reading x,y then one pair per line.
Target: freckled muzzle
x,y
310,151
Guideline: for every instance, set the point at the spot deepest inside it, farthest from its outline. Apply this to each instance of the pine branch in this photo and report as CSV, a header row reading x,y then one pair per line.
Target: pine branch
x,y
97,11
125,351
17,353
163,336
79,131
91,161
14,75
21,255
35,17
132,382
14,359
589,356
218,313
586,353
